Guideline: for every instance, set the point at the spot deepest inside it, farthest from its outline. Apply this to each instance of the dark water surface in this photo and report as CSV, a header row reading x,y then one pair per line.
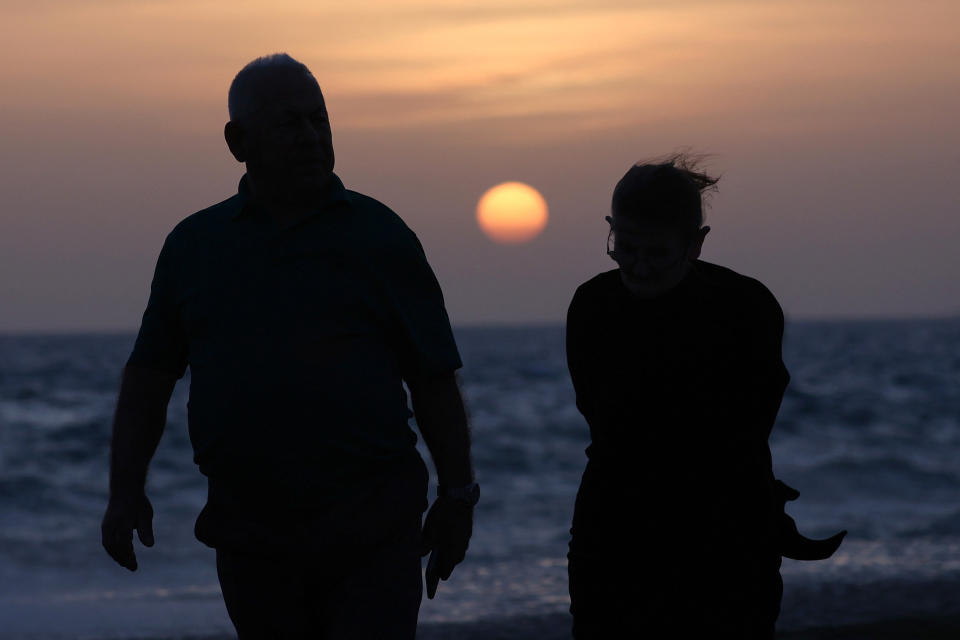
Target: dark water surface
x,y
869,433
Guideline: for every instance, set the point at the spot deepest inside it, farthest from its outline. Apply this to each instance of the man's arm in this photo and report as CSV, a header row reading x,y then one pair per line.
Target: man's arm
x,y
773,380
137,426
442,420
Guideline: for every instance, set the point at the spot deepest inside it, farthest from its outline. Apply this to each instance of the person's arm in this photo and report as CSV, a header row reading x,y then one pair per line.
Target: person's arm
x,y
442,420
158,359
775,377
137,426
578,351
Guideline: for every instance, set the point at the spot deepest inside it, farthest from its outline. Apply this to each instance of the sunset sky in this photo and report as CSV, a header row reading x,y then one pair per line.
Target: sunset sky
x,y
833,123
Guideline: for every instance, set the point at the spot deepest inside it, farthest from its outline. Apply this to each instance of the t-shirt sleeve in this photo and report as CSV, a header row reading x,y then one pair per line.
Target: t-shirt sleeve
x,y
426,342
765,382
577,336
772,376
161,343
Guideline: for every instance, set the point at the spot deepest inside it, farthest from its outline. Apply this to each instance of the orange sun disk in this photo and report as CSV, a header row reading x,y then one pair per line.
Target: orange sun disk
x,y
512,213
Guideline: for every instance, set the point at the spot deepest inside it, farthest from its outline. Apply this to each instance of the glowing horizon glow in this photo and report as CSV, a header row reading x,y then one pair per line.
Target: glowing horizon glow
x,y
819,115
512,213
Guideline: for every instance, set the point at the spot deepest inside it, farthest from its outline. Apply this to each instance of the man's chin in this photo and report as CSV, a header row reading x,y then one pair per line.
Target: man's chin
x,y
319,167
309,182
644,288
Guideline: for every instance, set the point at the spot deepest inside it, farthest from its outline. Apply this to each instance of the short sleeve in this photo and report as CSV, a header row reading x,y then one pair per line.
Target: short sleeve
x,y
426,342
765,381
161,343
772,373
763,376
577,336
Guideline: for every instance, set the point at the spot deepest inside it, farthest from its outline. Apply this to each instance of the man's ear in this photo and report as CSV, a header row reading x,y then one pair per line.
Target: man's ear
x,y
697,245
233,134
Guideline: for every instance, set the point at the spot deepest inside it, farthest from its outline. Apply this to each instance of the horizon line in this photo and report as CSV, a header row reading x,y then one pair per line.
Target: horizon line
x,y
494,325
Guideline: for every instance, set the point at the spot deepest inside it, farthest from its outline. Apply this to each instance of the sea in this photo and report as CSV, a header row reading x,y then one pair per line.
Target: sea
x,y
869,433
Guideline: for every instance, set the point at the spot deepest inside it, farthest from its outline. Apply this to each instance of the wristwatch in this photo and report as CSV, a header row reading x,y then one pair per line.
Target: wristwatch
x,y
467,496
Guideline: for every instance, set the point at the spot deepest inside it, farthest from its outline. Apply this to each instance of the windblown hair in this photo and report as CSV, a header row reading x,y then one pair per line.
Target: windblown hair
x,y
242,99
669,191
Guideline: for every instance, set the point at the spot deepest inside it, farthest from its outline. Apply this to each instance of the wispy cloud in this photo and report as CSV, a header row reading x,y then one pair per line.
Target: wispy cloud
x,y
395,64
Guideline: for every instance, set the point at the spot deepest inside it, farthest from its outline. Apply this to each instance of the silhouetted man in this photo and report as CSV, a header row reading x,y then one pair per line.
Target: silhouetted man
x,y
678,527
300,308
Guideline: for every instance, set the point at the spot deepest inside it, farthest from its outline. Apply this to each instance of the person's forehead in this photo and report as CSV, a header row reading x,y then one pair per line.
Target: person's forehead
x,y
288,90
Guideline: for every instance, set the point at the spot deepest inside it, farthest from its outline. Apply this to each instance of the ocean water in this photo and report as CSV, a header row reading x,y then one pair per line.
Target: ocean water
x,y
869,432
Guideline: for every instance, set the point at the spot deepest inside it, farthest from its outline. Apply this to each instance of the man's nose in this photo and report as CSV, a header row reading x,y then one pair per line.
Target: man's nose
x,y
640,268
311,131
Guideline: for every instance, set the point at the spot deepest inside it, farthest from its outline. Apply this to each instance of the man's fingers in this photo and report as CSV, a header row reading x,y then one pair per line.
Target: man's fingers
x,y
440,567
447,559
145,527
129,560
445,569
799,547
432,577
119,546
428,537
445,536
116,530
145,533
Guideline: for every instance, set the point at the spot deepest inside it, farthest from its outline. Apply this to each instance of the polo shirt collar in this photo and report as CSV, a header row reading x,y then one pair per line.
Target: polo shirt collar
x,y
333,193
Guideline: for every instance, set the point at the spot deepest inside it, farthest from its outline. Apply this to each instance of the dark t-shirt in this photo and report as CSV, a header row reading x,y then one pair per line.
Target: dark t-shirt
x,y
680,393
298,339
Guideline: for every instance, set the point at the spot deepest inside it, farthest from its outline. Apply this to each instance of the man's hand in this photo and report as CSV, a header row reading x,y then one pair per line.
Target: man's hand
x,y
446,536
442,419
795,545
116,531
137,427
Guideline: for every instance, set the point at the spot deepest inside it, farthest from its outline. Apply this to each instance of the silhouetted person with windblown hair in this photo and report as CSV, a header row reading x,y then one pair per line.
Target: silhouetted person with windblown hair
x,y
678,528
301,308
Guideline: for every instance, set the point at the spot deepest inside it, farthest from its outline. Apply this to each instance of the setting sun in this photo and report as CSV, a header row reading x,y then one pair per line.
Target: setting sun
x,y
512,213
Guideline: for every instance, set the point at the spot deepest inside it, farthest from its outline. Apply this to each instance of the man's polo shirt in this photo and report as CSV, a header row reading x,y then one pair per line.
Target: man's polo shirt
x,y
298,340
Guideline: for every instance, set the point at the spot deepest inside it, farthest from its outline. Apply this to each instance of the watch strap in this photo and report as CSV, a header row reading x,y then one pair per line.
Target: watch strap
x,y
469,494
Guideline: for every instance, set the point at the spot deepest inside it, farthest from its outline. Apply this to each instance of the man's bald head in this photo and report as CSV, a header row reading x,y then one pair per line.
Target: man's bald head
x,y
260,81
280,129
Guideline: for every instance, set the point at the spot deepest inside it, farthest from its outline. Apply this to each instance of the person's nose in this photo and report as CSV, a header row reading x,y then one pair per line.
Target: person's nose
x,y
640,268
310,131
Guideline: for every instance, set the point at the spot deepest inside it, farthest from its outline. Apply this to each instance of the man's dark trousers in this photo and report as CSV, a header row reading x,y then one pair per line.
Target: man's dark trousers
x,y
361,592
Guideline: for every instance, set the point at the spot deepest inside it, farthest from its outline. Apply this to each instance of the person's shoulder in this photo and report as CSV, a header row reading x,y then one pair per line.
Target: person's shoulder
x,y
593,302
601,285
372,210
205,220
601,282
383,228
745,290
